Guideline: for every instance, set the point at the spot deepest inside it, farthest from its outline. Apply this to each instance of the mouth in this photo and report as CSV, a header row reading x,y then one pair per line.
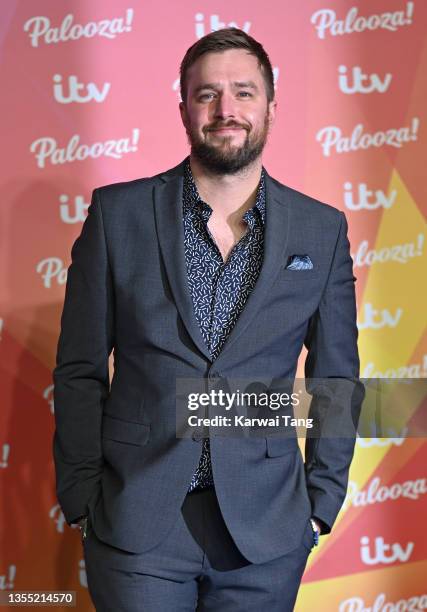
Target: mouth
x,y
226,130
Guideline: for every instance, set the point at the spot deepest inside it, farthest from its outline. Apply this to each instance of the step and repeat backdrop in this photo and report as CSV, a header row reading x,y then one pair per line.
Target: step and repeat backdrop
x,y
90,94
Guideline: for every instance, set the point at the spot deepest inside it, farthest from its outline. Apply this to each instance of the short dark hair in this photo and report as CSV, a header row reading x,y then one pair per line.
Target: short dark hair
x,y
222,40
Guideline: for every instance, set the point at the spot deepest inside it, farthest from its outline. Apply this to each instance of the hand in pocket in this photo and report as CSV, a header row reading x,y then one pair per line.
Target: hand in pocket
x,y
83,526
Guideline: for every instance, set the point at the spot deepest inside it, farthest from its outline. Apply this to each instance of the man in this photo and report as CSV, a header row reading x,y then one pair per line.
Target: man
x,y
210,270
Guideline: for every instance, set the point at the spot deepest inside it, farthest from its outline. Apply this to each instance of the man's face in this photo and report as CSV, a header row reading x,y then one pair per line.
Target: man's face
x,y
226,114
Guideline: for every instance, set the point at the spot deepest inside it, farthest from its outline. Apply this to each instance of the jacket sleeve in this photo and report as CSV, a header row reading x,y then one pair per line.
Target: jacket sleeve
x,y
81,378
332,378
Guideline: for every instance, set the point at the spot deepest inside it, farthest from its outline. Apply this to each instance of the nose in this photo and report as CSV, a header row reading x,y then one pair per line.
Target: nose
x,y
225,106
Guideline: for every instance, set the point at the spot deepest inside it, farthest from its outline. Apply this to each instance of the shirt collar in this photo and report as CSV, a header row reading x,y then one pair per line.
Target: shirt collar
x,y
192,199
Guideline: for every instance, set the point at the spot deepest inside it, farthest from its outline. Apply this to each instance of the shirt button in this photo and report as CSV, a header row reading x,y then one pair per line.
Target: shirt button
x,y
197,436
213,375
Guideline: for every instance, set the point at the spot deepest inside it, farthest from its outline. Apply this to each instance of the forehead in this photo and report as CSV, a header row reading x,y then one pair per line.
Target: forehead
x,y
229,65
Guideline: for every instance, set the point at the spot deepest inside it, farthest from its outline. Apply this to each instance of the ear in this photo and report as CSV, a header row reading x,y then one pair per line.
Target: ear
x,y
183,112
271,113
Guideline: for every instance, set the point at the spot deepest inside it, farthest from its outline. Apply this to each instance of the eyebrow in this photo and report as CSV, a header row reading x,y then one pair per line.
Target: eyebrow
x,y
244,84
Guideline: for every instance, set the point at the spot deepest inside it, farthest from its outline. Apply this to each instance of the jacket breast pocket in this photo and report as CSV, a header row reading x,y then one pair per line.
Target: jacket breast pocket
x,y
299,275
278,446
128,432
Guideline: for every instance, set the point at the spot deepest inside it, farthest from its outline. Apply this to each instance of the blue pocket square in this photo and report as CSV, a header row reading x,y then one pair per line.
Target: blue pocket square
x,y
299,262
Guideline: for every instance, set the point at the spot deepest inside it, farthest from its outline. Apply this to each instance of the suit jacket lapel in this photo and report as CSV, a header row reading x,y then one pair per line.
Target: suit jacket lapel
x,y
276,233
170,229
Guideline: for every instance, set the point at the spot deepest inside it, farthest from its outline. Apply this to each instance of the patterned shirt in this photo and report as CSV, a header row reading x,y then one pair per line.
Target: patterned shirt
x,y
218,289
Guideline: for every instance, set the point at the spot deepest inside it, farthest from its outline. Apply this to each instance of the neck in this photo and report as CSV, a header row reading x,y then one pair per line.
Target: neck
x,y
228,193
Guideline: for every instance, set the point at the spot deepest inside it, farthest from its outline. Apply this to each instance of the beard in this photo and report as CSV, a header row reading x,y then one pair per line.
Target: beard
x,y
224,157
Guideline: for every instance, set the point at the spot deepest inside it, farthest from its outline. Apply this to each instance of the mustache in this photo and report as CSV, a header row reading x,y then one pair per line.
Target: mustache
x,y
218,126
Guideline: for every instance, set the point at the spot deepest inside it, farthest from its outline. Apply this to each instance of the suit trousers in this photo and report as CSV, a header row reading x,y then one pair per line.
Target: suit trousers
x,y
197,567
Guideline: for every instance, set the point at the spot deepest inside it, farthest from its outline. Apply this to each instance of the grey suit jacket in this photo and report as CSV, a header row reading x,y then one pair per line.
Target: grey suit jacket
x,y
116,453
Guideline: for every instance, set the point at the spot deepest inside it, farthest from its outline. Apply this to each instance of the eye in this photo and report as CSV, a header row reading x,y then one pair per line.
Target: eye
x,y
245,93
205,96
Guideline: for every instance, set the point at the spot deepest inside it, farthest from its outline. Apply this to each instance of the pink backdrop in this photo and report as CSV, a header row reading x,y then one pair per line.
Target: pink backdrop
x,y
90,96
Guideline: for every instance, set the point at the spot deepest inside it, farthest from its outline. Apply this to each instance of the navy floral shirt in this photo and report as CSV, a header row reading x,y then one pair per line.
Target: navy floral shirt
x,y
218,289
